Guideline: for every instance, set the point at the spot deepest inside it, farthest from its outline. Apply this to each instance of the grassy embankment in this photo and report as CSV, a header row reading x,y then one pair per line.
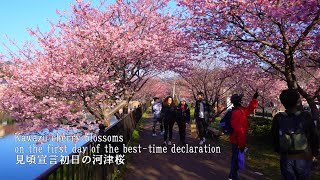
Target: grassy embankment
x,y
119,174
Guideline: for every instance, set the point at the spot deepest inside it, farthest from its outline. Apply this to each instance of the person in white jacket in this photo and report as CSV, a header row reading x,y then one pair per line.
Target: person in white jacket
x,y
156,110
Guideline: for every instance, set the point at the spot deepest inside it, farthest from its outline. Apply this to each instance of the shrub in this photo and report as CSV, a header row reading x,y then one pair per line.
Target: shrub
x,y
259,126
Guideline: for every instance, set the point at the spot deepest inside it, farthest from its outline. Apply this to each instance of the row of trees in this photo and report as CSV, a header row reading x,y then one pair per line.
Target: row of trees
x,y
95,56
280,37
218,83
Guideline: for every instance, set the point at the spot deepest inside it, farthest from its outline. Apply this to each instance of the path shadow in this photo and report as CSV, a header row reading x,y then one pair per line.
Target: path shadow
x,y
180,166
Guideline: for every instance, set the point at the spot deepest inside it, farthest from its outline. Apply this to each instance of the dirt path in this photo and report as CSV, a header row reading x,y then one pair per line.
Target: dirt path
x,y
179,166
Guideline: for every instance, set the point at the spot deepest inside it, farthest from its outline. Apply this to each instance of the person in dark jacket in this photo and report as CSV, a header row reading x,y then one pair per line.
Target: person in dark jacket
x,y
168,115
183,113
202,113
298,128
239,124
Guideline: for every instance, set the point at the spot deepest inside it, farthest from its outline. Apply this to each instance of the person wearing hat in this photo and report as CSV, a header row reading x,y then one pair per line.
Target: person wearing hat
x,y
183,117
239,124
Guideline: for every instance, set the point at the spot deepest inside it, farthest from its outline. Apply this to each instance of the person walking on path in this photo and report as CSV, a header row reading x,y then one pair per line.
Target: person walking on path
x,y
294,137
183,117
168,116
156,110
239,124
202,113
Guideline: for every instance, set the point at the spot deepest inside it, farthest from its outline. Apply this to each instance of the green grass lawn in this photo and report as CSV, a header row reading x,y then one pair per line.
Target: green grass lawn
x,y
191,112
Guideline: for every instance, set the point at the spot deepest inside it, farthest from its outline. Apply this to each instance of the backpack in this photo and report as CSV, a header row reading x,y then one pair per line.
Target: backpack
x,y
292,134
225,122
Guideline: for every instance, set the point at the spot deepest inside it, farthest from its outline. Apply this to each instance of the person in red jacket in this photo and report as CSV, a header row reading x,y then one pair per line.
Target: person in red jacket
x,y
239,123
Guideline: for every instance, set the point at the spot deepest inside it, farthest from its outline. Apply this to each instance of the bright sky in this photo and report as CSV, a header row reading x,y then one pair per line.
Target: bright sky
x,y
18,15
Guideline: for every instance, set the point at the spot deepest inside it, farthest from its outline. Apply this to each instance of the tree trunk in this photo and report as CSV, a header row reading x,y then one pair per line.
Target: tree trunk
x,y
312,105
262,105
290,69
290,76
217,103
293,84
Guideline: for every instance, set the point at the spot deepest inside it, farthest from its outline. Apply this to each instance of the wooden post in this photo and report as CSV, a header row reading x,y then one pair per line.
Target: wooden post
x,y
107,113
2,131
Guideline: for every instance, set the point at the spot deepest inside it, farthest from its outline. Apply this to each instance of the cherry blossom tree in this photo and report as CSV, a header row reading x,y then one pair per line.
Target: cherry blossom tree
x,y
155,87
215,79
281,37
218,81
252,78
91,58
